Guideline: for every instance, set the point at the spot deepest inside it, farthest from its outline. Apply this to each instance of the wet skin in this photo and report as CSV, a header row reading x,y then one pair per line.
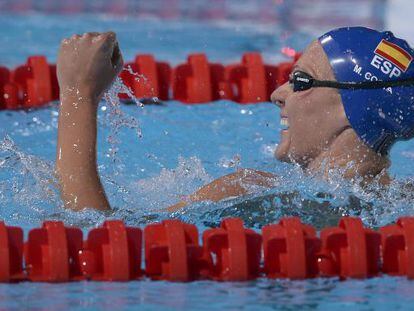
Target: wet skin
x,y
317,135
315,117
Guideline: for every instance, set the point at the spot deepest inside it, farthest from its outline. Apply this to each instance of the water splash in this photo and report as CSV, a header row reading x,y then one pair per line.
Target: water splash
x,y
116,118
170,186
137,77
28,187
28,194
316,201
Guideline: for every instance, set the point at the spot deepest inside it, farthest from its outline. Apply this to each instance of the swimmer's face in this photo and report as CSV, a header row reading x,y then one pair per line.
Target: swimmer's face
x,y
313,118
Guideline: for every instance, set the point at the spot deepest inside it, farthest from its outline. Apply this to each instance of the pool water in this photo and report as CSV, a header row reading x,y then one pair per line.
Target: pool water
x,y
150,157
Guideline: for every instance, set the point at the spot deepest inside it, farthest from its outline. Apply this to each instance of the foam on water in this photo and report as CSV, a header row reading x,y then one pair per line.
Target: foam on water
x,y
30,192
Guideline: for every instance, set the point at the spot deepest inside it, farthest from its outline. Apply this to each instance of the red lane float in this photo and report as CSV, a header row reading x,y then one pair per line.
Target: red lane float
x,y
55,253
54,82
172,252
11,253
290,250
192,81
248,79
237,251
28,86
9,98
350,250
147,78
35,81
398,248
51,253
112,253
197,81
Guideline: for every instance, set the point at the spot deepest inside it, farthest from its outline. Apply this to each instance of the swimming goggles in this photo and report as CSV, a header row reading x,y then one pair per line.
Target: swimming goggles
x,y
303,81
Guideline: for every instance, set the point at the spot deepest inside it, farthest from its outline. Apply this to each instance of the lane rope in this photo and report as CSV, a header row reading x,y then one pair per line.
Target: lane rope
x,y
196,81
171,251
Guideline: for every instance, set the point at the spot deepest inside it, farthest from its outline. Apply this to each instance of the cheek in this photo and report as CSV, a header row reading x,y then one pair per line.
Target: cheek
x,y
304,113
308,120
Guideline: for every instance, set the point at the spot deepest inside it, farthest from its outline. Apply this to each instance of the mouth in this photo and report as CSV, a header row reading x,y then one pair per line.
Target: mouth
x,y
284,123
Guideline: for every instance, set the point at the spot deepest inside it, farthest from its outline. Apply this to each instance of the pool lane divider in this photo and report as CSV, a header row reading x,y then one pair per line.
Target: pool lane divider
x,y
196,81
231,252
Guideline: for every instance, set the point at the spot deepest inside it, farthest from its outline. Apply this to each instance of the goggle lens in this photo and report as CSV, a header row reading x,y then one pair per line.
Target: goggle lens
x,y
301,81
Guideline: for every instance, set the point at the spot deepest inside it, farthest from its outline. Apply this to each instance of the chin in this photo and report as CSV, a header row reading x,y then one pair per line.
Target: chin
x,y
281,154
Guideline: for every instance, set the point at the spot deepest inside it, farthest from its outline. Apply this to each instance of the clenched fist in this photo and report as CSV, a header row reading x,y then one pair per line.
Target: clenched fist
x,y
88,64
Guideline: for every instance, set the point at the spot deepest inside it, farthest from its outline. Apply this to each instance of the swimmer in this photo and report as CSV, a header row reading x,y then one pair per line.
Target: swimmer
x,y
349,98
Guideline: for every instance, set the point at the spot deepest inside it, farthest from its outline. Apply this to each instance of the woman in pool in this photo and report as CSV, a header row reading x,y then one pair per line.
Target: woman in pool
x,y
349,98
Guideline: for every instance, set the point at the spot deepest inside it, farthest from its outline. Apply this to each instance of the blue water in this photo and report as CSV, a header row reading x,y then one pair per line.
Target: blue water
x,y
321,294
181,148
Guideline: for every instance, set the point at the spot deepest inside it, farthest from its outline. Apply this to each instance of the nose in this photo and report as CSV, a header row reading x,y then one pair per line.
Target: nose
x,y
279,95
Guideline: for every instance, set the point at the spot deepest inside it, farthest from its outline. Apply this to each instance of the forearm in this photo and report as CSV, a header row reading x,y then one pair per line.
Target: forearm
x,y
228,186
76,153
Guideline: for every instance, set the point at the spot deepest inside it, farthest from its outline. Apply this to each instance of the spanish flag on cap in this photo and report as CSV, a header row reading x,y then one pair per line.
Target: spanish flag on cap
x,y
395,54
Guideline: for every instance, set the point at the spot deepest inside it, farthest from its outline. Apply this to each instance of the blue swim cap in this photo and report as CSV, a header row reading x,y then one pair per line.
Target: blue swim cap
x,y
380,117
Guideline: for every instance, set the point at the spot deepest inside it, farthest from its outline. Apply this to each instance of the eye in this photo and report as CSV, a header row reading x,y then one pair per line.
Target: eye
x,y
301,81
291,78
294,74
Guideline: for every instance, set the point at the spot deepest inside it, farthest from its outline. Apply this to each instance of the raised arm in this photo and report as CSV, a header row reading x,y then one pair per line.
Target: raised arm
x,y
86,67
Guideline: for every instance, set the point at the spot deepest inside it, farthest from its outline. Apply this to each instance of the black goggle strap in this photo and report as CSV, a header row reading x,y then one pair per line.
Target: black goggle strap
x,y
303,81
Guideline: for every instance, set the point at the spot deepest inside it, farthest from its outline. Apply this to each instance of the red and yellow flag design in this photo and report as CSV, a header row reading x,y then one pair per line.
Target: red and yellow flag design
x,y
395,54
